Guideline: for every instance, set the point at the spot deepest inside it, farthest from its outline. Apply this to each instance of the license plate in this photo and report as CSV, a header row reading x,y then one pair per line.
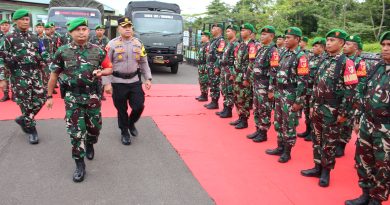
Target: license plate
x,y
158,59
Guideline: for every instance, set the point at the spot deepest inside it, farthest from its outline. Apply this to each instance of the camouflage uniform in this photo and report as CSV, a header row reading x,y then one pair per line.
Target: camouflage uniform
x,y
101,43
332,97
83,94
266,59
373,144
213,62
227,63
47,55
22,61
202,68
245,55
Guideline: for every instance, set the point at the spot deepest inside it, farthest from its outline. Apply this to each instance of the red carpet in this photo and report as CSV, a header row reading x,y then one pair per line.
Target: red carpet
x,y
231,168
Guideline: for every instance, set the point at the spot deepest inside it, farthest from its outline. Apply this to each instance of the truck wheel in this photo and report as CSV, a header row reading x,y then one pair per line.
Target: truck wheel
x,y
175,68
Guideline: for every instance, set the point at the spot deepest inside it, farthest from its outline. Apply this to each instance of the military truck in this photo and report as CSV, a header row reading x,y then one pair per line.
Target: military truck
x,y
159,26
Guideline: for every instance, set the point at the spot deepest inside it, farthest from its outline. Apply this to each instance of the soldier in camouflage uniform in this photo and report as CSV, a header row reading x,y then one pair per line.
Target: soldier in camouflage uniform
x,y
373,143
82,63
23,62
4,29
48,52
303,44
39,29
267,57
100,39
203,77
288,88
350,50
217,46
227,63
280,43
318,53
332,96
245,55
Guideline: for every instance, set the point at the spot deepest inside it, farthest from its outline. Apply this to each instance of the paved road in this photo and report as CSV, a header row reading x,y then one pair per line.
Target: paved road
x,y
186,75
147,172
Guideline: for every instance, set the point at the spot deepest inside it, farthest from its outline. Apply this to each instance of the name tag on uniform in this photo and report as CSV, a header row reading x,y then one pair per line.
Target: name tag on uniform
x,y
119,50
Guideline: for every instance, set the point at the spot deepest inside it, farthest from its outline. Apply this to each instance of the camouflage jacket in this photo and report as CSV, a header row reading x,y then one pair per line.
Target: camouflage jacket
x,y
245,55
361,71
21,50
76,64
337,87
202,53
101,43
375,103
49,49
267,61
314,60
292,72
215,52
281,50
227,61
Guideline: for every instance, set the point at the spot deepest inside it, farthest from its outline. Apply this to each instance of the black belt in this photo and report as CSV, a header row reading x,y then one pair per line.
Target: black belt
x,y
125,75
286,86
82,89
328,101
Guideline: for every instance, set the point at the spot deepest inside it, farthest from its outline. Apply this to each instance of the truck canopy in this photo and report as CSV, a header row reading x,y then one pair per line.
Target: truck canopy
x,y
151,6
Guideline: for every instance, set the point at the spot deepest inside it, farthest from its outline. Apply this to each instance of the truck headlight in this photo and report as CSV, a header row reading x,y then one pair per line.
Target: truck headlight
x,y
179,49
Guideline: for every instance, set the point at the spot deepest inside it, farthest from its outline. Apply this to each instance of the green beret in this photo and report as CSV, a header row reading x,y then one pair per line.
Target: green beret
x,y
4,21
305,39
279,36
233,27
293,31
20,13
206,33
217,25
360,46
73,24
248,26
337,33
267,29
319,40
49,25
39,24
99,26
384,36
354,38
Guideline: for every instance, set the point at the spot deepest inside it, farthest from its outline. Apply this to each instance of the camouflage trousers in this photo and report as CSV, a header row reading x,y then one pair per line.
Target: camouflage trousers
x,y
83,123
373,158
327,135
346,130
261,105
243,99
286,120
214,81
30,96
46,76
227,88
203,78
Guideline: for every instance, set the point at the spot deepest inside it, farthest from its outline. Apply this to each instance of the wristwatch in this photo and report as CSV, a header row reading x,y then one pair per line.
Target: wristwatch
x,y
49,97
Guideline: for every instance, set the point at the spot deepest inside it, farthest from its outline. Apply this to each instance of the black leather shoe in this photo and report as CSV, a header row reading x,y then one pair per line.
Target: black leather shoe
x,y
363,199
314,172
20,121
243,123
340,149
213,105
227,114
253,135
125,137
79,173
89,151
286,156
222,111
277,151
325,177
261,137
236,122
33,135
374,202
133,130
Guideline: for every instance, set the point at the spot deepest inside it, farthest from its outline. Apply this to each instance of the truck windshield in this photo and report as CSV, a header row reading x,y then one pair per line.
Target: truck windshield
x,y
61,16
158,23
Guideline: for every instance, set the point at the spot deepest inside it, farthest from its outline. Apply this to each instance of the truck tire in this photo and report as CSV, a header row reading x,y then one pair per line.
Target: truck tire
x,y
175,68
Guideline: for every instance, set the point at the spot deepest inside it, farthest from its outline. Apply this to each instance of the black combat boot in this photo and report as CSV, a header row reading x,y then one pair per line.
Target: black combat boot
x,y
325,177
277,151
32,135
243,123
222,111
340,148
20,121
314,172
361,200
307,131
286,156
261,137
203,97
374,202
5,97
253,135
227,114
213,105
89,151
236,122
78,175
125,137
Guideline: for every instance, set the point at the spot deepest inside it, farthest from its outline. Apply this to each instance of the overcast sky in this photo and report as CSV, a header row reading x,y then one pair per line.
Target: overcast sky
x,y
187,6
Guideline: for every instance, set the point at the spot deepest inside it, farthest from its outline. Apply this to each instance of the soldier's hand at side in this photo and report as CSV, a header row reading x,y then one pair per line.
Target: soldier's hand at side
x,y
246,83
356,128
97,73
217,71
49,103
271,95
3,84
148,84
108,89
296,107
341,119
